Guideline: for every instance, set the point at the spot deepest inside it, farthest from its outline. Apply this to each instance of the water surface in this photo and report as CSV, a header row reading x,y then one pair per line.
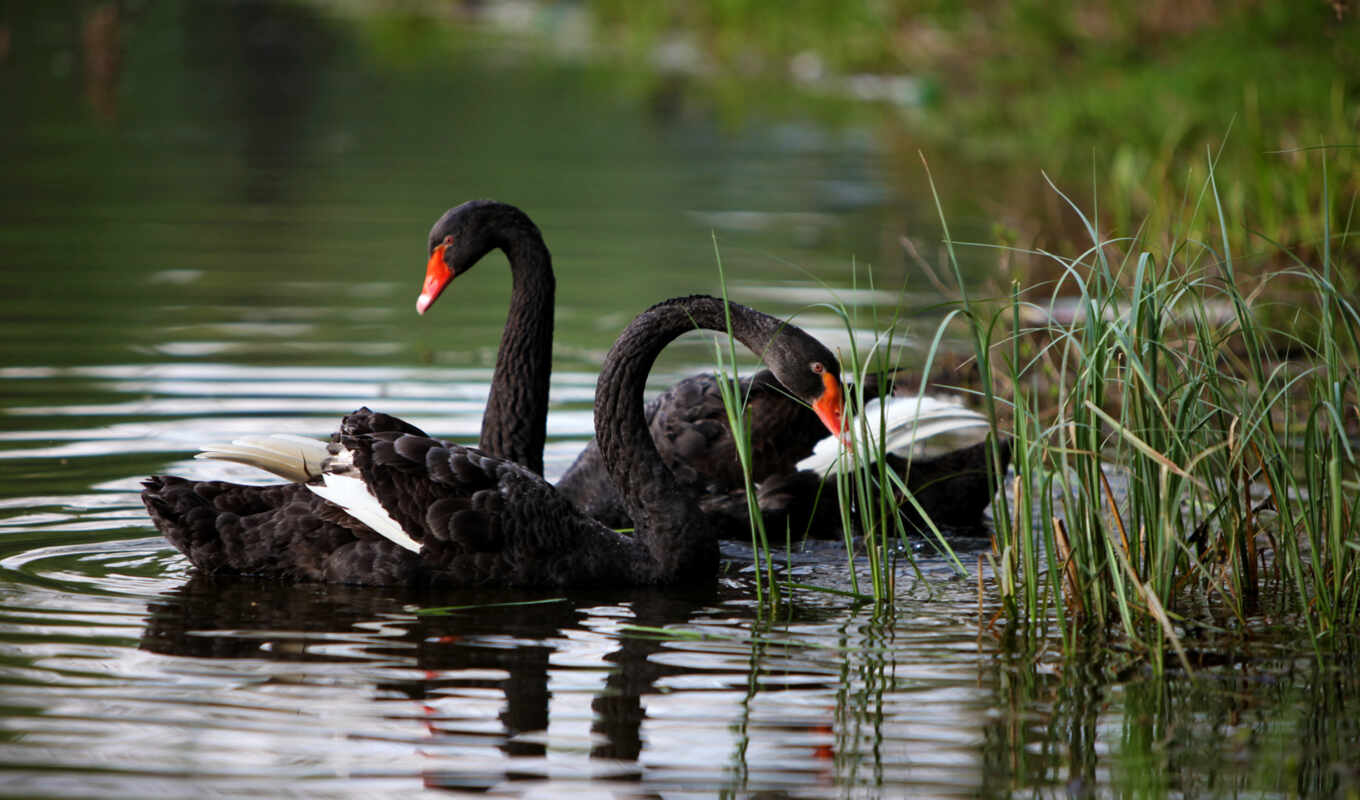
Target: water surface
x,y
225,234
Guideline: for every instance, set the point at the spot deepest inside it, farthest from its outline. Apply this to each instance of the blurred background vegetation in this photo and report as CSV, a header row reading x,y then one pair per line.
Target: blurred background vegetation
x,y
1122,103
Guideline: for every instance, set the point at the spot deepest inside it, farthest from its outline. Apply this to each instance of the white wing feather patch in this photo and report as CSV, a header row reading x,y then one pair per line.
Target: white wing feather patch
x,y
353,496
909,422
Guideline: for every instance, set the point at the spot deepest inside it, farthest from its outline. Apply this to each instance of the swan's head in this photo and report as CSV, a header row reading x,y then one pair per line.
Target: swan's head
x,y
811,373
463,235
830,404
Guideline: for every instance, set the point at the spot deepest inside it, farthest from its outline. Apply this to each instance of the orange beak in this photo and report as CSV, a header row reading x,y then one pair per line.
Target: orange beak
x,y
437,277
830,406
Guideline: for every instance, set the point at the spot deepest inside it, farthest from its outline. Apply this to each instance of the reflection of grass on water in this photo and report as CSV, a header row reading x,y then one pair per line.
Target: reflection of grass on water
x,y
1235,439
440,611
1258,724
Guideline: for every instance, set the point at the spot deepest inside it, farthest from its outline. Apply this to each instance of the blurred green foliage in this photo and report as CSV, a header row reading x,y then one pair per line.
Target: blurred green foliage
x,y
1132,98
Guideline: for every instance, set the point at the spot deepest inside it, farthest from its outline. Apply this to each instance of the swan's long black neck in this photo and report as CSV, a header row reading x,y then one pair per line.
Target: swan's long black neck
x,y
515,422
667,521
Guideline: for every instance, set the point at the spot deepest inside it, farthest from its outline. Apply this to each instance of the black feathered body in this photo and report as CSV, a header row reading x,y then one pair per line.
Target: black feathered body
x,y
688,424
479,520
281,531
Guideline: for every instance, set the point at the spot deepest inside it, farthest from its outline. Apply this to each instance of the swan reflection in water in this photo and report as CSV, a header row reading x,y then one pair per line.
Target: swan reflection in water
x,y
433,663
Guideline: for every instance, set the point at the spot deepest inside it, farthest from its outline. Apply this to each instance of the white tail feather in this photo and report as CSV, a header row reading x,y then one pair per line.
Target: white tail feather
x,y
909,423
353,496
303,460
293,458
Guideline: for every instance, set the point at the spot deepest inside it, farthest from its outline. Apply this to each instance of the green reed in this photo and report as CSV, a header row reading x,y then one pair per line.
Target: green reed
x,y
869,493
734,403
1229,435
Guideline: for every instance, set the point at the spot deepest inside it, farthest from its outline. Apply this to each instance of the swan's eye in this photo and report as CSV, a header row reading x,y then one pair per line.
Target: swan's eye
x,y
448,240
818,368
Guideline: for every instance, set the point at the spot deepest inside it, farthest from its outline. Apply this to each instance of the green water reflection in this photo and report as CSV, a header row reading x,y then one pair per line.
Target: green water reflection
x,y
266,174
1248,723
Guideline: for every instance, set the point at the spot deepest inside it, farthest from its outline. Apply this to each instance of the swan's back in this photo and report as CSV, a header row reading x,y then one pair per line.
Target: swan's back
x,y
475,519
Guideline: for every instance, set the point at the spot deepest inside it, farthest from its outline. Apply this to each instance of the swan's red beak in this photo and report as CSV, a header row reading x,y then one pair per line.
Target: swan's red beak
x,y
830,406
437,277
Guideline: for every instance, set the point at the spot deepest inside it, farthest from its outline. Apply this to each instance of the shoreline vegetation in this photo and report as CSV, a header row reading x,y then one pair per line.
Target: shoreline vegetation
x,y
1208,351
1232,441
1236,435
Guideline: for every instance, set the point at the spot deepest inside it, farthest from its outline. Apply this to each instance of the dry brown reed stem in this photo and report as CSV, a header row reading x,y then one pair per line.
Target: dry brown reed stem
x,y
1010,561
1114,510
1274,500
1154,607
981,561
909,247
1249,536
1068,566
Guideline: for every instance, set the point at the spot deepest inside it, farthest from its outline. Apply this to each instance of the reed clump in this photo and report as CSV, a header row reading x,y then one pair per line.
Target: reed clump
x,y
868,494
1182,458
1182,438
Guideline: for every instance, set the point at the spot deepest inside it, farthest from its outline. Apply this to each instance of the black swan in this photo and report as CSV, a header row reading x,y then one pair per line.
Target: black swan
x,y
386,504
688,422
513,426
515,421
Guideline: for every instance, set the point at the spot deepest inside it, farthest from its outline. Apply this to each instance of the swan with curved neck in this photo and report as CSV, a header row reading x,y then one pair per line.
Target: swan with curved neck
x,y
386,504
515,422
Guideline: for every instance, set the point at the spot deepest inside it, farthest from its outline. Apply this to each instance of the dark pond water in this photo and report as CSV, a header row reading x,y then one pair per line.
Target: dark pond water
x,y
214,222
